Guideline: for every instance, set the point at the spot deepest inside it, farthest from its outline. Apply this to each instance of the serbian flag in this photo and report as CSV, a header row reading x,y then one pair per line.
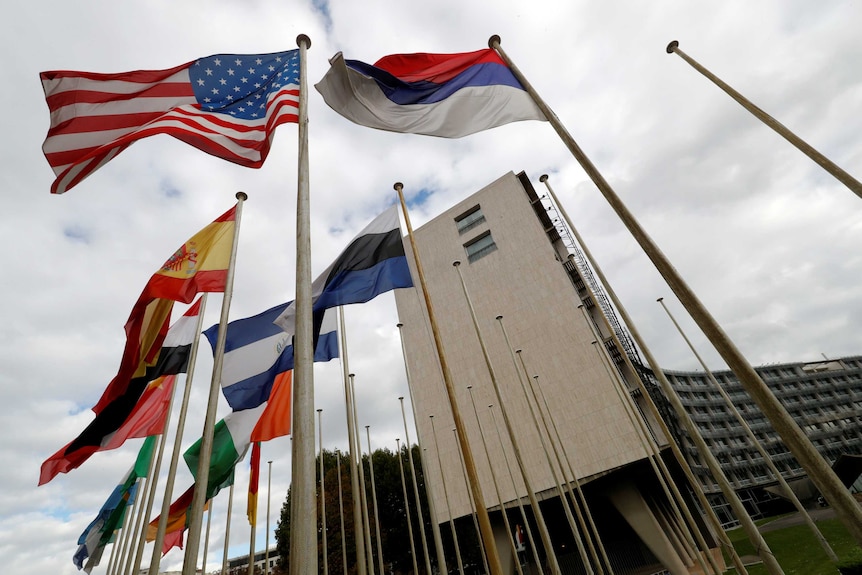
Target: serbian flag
x,y
445,95
253,481
227,105
200,265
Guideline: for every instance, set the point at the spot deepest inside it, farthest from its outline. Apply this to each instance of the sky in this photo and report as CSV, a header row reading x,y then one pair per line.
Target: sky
x,y
767,239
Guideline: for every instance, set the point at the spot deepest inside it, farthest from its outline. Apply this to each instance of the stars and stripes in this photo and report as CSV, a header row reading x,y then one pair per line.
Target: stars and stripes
x,y
227,105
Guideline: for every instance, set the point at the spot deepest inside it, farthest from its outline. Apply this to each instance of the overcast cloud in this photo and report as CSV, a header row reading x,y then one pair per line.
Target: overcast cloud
x,y
768,240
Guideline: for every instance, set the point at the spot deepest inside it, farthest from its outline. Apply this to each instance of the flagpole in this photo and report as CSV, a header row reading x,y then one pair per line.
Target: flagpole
x,y
754,441
359,538
206,539
374,501
435,526
469,461
151,486
407,507
227,530
268,498
472,505
128,524
665,385
852,183
823,477
363,495
121,541
140,498
322,494
341,515
155,561
540,520
579,534
532,540
199,498
446,498
303,534
505,515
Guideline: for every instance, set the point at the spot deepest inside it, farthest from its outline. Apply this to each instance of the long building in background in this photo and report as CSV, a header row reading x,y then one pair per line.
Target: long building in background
x,y
520,262
516,264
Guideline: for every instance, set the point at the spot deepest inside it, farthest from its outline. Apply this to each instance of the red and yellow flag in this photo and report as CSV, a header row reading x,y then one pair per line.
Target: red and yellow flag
x,y
253,481
200,265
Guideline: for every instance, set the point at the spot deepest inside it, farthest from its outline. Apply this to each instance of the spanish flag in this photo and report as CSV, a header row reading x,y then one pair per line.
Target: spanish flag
x,y
200,265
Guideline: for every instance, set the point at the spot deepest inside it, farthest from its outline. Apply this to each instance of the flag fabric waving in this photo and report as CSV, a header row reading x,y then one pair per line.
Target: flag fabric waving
x,y
200,265
373,263
256,351
445,95
177,522
140,411
231,440
227,105
110,517
253,481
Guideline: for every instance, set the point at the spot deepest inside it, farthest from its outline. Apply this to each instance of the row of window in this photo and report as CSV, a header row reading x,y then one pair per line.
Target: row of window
x,y
481,245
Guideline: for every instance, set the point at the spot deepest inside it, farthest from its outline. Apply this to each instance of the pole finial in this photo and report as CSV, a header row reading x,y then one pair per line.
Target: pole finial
x,y
241,196
469,387
494,41
399,325
671,48
351,375
499,317
543,178
456,263
303,39
401,398
398,186
518,350
660,299
319,409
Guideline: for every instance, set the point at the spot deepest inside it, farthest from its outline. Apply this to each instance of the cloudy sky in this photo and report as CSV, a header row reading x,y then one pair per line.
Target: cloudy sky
x,y
769,241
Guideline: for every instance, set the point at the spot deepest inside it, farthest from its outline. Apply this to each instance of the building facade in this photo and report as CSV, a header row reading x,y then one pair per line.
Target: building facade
x,y
543,327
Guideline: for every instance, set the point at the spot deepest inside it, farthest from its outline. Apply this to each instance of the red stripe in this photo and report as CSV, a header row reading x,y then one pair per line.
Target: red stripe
x,y
84,124
184,290
164,90
437,68
143,76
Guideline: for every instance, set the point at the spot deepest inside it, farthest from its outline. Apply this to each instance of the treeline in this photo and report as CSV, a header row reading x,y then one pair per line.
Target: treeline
x,y
394,533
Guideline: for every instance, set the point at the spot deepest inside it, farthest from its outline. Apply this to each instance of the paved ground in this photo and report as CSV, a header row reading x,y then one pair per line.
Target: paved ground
x,y
818,514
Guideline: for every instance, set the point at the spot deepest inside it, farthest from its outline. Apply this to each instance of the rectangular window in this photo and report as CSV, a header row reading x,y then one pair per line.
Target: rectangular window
x,y
469,219
480,247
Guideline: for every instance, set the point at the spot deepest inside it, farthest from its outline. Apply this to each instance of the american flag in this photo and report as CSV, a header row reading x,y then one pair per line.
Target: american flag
x,y
227,105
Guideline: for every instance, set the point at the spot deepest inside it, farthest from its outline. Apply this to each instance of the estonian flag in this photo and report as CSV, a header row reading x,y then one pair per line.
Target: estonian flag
x,y
373,263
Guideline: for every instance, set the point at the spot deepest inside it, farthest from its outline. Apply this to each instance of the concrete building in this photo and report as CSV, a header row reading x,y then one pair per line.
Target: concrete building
x,y
516,264
824,397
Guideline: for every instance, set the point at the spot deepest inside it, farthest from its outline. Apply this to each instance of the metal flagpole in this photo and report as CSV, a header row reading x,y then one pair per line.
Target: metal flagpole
x,y
268,500
322,494
122,540
446,498
435,526
369,550
469,462
820,473
540,520
657,464
374,501
755,443
565,456
251,545
665,384
303,534
359,537
140,519
533,547
227,530
509,531
407,509
472,505
559,484
852,183
206,538
199,498
341,514
155,561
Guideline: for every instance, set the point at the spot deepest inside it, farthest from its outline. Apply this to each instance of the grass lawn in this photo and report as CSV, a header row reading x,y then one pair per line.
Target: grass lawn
x,y
796,548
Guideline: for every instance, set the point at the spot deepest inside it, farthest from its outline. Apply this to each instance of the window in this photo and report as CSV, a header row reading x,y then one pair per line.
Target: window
x,y
480,247
469,219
